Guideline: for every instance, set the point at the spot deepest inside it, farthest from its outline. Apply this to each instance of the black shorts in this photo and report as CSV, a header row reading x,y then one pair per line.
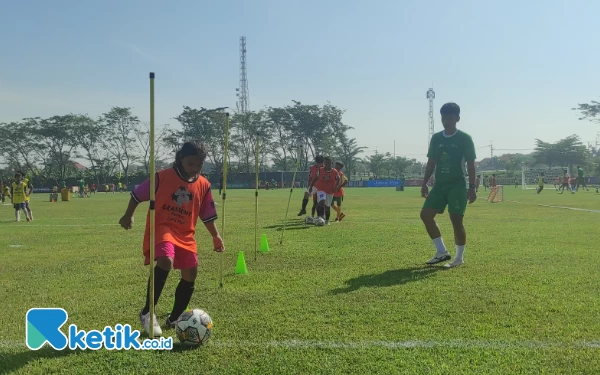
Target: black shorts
x,y
338,200
19,206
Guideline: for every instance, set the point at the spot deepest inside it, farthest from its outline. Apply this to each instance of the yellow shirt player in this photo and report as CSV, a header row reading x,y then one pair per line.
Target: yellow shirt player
x,y
541,183
18,196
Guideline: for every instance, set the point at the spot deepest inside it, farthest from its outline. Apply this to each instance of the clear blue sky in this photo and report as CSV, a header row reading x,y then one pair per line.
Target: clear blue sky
x,y
516,68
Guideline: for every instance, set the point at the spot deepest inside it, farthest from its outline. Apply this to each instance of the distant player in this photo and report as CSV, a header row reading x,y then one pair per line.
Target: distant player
x,y
556,183
18,196
28,192
311,190
94,188
327,182
448,152
182,197
477,184
5,192
485,183
565,183
493,182
581,179
338,196
541,183
81,187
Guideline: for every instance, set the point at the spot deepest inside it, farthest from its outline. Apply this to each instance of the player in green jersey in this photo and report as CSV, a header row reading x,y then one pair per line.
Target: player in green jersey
x,y
452,156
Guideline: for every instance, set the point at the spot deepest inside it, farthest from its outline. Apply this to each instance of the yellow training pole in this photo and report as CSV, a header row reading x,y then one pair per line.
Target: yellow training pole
x,y
151,212
225,158
289,199
256,202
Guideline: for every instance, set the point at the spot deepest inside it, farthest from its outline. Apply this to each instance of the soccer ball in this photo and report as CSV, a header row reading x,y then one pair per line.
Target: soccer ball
x,y
320,222
194,327
309,220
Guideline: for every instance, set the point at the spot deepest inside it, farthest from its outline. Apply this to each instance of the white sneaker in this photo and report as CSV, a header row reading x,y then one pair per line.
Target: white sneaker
x,y
454,263
145,320
438,258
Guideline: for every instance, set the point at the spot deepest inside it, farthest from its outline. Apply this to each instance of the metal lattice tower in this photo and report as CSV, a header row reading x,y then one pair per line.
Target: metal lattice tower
x,y
242,91
430,96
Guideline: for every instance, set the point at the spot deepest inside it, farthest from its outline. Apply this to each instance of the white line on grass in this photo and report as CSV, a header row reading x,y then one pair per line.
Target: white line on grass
x,y
312,344
563,207
63,225
569,208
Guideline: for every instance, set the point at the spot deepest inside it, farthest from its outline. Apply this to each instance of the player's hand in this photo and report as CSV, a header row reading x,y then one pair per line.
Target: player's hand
x,y
218,244
126,222
471,195
424,191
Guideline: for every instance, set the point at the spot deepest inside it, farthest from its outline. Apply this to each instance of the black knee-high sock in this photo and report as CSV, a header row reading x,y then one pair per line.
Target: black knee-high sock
x,y
304,203
183,295
314,208
320,211
160,278
327,213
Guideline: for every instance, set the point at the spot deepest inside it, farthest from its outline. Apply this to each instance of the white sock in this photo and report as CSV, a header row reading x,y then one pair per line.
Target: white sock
x,y
460,250
439,245
18,215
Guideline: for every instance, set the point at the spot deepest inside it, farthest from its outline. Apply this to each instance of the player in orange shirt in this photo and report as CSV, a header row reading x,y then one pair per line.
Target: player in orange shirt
x,y
338,196
182,196
310,190
565,183
327,181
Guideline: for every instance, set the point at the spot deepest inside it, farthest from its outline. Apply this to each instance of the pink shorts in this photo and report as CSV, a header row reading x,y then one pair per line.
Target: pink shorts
x,y
182,258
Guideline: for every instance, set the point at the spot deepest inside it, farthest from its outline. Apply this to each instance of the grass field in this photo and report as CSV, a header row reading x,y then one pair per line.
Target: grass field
x,y
351,298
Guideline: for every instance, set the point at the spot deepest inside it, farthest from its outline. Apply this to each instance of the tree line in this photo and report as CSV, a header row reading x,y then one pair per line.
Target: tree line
x,y
117,143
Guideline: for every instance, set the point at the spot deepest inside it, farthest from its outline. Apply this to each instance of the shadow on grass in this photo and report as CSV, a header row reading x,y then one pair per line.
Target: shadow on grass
x,y
290,225
12,362
387,278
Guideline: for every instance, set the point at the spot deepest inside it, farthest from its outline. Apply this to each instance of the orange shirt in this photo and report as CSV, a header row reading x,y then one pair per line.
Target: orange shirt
x,y
177,208
340,192
327,180
314,169
566,179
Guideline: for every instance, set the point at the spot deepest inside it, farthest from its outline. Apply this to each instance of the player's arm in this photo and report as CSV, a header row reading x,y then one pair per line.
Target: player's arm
x,y
429,168
471,172
208,215
338,182
344,183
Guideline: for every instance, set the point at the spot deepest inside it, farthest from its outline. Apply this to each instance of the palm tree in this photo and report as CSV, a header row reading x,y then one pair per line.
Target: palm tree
x,y
348,152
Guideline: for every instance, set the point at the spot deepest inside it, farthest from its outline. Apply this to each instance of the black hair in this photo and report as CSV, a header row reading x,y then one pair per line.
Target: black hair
x,y
190,148
340,163
327,158
450,109
319,159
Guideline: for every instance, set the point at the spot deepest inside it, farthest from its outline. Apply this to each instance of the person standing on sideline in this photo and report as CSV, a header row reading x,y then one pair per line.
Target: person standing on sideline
x,y
448,153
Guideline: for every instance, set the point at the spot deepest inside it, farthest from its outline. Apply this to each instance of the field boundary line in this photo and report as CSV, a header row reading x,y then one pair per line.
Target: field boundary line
x,y
562,207
313,344
25,225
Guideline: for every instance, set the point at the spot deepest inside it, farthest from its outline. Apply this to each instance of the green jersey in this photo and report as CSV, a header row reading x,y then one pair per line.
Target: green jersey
x,y
580,172
451,154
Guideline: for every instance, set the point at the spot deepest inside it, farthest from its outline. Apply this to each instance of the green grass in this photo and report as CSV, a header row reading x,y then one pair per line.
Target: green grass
x,y
351,298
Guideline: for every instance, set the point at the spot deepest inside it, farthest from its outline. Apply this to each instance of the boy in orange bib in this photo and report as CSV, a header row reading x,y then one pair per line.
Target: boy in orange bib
x,y
182,196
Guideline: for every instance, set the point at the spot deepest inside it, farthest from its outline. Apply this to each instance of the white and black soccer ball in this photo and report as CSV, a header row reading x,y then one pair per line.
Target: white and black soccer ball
x,y
194,327
320,222
309,220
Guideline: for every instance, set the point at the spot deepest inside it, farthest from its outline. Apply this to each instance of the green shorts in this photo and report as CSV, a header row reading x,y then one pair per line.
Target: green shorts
x,y
580,181
338,201
453,196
